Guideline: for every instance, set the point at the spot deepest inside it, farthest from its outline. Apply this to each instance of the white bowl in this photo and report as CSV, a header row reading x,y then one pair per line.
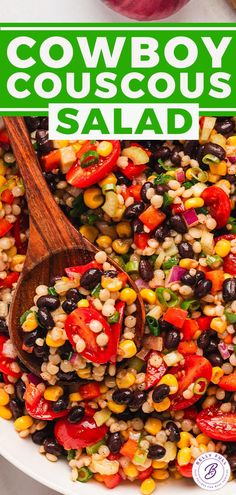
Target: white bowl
x,y
24,455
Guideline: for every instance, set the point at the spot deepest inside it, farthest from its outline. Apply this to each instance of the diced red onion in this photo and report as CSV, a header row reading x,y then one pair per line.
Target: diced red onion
x,y
73,358
224,351
180,176
34,379
232,159
143,354
190,217
175,275
141,284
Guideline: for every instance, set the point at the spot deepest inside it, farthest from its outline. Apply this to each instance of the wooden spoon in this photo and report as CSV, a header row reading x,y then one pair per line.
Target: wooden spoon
x,y
53,242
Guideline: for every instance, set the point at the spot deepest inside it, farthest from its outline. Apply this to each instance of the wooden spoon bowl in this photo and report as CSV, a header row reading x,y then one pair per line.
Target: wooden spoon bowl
x,y
53,242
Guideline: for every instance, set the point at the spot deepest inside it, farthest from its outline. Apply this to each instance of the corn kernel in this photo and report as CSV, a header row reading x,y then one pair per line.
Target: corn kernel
x,y
131,471
189,173
5,412
2,167
112,284
89,231
12,251
84,374
160,474
98,477
148,295
121,246
4,397
148,486
184,456
18,259
128,295
213,178
223,247
109,179
171,381
105,148
159,464
116,408
75,397
83,303
218,139
93,197
2,180
163,405
217,374
218,168
54,343
194,203
188,263
185,440
128,349
231,141
53,393
104,241
218,325
223,183
23,423
153,426
126,381
203,439
103,388
30,323
123,229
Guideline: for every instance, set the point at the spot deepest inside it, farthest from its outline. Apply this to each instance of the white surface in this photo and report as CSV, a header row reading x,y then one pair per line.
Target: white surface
x,y
95,11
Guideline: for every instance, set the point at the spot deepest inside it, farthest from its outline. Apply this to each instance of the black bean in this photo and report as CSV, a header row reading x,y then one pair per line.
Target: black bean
x,y
199,276
65,350
16,408
61,404
138,399
69,377
229,289
69,306
162,232
145,188
185,250
125,416
175,157
232,461
44,144
76,414
20,389
164,325
39,436
146,271
53,280
215,359
214,149
91,278
133,211
49,302
163,153
191,148
41,352
138,227
114,442
231,178
123,180
212,346
172,339
73,295
3,327
188,279
30,338
32,123
160,393
203,340
172,431
161,189
202,288
178,224
224,126
44,123
45,318
110,273
52,446
122,396
156,452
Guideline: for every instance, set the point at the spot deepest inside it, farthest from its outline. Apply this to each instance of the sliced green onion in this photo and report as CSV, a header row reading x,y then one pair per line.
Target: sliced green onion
x,y
190,305
199,382
96,291
132,267
52,291
167,265
161,292
78,207
209,158
84,474
232,222
162,179
89,158
140,456
93,449
167,200
108,187
23,317
115,318
111,206
136,364
167,168
153,325
71,454
202,210
230,317
187,184
214,261
92,218
203,176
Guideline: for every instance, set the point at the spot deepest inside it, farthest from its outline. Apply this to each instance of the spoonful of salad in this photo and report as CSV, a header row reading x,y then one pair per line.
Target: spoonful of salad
x,y
71,300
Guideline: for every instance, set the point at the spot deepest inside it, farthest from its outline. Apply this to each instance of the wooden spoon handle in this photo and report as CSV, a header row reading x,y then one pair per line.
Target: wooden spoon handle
x,y
50,231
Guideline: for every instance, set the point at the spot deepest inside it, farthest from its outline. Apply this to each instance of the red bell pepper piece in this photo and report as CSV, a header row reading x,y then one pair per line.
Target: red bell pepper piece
x,y
154,374
141,240
10,279
132,171
228,237
135,192
112,480
51,161
90,391
4,138
176,316
177,208
32,394
152,218
204,322
217,279
228,382
219,204
7,197
187,347
81,269
143,475
190,327
229,265
129,448
5,226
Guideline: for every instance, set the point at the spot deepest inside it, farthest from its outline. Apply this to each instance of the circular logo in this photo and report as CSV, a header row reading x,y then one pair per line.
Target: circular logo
x,y
211,471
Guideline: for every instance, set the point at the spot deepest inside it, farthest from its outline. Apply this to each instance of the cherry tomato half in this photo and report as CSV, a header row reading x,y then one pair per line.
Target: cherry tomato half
x,y
228,382
85,177
194,367
217,424
153,374
42,409
6,362
72,270
219,204
186,471
230,264
79,435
